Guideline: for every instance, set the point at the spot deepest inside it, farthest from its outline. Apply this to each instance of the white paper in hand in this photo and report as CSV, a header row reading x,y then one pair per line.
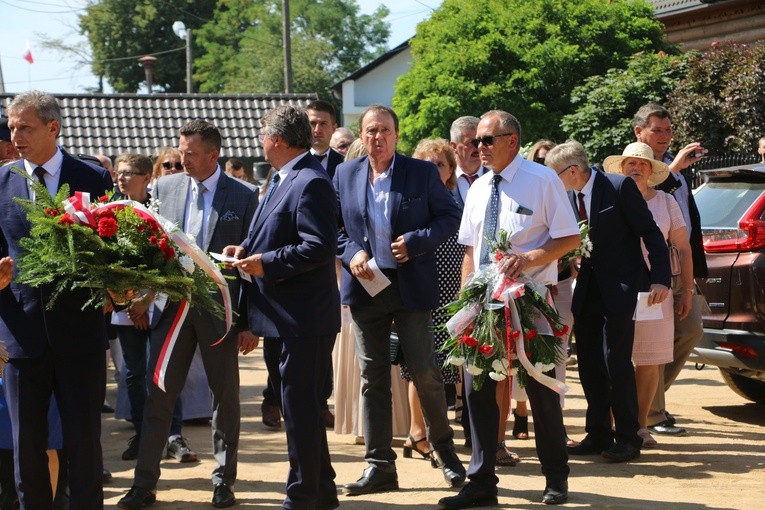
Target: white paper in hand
x,y
643,312
231,260
376,284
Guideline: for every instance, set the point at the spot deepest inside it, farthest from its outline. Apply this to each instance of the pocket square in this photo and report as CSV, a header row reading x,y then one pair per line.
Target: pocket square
x,y
606,209
229,216
524,210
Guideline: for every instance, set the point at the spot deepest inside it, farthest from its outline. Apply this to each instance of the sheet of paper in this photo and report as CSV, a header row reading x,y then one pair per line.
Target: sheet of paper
x,y
226,258
376,284
643,312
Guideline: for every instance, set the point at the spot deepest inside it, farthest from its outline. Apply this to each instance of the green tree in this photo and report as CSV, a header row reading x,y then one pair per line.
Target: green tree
x,y
120,31
521,56
721,101
605,104
243,45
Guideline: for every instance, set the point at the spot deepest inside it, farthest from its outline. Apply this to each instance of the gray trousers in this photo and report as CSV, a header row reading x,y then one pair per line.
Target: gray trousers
x,y
688,332
221,364
372,328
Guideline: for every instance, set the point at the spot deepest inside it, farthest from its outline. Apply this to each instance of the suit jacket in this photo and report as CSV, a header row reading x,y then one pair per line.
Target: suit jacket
x,y
26,326
422,210
619,219
672,185
334,158
233,206
296,233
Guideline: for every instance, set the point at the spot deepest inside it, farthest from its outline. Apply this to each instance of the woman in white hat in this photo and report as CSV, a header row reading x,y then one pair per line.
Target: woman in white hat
x,y
654,338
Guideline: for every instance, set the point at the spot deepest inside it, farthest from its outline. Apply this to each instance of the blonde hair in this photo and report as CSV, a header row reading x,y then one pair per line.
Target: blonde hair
x,y
435,148
355,150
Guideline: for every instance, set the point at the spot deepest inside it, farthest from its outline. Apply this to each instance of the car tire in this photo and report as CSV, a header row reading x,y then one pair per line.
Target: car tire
x,y
750,389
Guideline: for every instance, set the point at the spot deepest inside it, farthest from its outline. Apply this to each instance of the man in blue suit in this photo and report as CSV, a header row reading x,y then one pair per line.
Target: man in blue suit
x,y
293,297
605,297
57,351
394,210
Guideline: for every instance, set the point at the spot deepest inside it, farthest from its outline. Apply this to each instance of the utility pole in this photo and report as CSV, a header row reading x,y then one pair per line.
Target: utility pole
x,y
287,46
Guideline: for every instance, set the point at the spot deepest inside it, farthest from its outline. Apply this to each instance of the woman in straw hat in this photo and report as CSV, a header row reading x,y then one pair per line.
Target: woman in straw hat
x,y
654,338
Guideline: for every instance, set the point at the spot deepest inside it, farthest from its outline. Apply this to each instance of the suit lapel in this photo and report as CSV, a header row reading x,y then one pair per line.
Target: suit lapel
x,y
597,199
396,191
218,203
360,181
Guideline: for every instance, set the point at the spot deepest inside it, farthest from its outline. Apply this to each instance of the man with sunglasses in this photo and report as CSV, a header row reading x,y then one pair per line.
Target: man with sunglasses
x,y
529,201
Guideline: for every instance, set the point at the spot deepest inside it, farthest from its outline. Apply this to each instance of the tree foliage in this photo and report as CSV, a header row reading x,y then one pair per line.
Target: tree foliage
x,y
605,104
120,31
721,100
243,45
520,56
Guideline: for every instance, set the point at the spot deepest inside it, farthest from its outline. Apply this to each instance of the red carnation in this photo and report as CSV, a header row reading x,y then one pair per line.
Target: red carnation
x,y
498,256
563,331
107,227
103,199
469,341
153,240
514,335
531,334
106,213
66,220
51,211
486,350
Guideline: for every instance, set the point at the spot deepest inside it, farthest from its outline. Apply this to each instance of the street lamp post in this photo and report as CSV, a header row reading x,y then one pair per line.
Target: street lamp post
x,y
148,69
179,28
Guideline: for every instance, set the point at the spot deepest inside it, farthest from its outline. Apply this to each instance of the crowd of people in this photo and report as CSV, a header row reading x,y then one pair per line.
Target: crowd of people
x,y
347,223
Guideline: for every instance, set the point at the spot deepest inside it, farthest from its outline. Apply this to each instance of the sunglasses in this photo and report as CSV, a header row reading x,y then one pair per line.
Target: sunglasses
x,y
168,165
487,140
539,160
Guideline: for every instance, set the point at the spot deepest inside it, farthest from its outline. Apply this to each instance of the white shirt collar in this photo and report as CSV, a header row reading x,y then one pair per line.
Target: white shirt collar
x,y
52,166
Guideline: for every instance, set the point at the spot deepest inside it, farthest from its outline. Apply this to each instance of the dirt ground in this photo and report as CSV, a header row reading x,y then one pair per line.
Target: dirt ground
x,y
719,464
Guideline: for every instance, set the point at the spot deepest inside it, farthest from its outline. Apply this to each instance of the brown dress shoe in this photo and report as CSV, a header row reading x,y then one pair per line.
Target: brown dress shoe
x,y
271,416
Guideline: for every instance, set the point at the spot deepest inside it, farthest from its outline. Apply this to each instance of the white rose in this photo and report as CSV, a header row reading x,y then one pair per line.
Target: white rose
x,y
497,376
457,361
186,263
472,369
500,365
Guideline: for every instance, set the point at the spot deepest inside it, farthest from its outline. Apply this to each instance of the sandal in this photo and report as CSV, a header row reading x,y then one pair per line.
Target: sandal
x,y
505,457
408,449
520,426
648,440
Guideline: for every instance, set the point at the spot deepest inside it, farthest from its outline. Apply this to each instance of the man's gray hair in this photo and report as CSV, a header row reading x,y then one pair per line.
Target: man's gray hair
x,y
460,125
650,110
567,154
45,106
291,124
507,121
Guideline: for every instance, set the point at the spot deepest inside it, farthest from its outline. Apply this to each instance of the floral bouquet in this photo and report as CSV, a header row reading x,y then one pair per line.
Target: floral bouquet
x,y
500,326
115,247
584,250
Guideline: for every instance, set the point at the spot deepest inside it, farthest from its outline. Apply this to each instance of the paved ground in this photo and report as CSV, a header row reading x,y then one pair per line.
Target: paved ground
x,y
720,464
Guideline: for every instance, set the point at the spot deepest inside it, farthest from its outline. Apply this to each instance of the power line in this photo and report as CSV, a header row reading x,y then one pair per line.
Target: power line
x,y
39,11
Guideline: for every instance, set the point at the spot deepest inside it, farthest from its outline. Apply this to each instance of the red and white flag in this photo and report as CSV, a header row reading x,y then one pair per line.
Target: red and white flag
x,y
28,55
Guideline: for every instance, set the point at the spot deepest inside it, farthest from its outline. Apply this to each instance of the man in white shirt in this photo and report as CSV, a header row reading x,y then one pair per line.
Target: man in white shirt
x,y
468,159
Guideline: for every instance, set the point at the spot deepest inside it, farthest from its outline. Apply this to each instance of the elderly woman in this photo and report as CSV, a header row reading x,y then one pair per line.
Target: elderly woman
x,y
448,260
654,338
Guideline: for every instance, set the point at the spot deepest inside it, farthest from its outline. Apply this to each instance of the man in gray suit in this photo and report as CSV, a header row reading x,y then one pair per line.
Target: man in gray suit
x,y
217,210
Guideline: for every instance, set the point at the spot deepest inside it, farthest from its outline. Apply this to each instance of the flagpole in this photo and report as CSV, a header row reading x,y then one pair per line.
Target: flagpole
x,y
2,82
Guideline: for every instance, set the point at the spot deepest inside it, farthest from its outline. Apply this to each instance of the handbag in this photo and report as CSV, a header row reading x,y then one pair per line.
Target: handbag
x,y
674,255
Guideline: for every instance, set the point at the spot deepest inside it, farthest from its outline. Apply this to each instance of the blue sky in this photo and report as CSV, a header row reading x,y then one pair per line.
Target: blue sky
x,y
33,20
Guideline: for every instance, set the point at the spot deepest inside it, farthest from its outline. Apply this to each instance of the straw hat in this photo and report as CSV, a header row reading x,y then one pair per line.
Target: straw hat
x,y
613,164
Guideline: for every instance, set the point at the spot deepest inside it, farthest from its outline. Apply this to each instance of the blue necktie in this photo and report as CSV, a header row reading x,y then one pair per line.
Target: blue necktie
x,y
490,220
271,189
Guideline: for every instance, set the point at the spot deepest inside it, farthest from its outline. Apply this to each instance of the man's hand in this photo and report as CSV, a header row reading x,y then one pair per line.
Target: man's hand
x,y
233,250
683,159
398,247
657,294
513,264
252,265
247,341
360,266
6,272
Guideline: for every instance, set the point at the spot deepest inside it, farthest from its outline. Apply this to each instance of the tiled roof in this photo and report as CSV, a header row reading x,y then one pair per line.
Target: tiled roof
x,y
669,7
115,123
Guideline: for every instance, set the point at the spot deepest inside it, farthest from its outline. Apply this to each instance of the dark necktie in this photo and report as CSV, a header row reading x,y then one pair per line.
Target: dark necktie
x,y
582,208
322,157
271,189
490,220
470,179
40,174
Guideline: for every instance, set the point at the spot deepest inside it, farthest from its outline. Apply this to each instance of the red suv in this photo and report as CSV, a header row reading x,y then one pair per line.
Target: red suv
x,y
732,206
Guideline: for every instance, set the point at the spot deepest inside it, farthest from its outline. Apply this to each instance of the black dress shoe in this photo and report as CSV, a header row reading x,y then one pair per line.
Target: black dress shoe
x,y
667,428
373,480
556,492
137,498
222,496
621,452
328,504
471,496
589,446
446,459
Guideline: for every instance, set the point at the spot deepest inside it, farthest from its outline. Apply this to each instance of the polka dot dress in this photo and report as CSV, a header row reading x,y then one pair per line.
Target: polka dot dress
x,y
449,263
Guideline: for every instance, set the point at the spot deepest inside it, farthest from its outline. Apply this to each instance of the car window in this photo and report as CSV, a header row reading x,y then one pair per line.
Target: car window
x,y
722,204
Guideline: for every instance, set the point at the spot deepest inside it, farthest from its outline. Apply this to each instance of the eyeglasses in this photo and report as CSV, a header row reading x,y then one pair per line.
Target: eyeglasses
x,y
128,173
569,167
487,140
342,146
167,165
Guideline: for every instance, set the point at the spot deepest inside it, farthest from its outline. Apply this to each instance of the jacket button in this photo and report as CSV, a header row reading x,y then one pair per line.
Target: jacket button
x,y
366,239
